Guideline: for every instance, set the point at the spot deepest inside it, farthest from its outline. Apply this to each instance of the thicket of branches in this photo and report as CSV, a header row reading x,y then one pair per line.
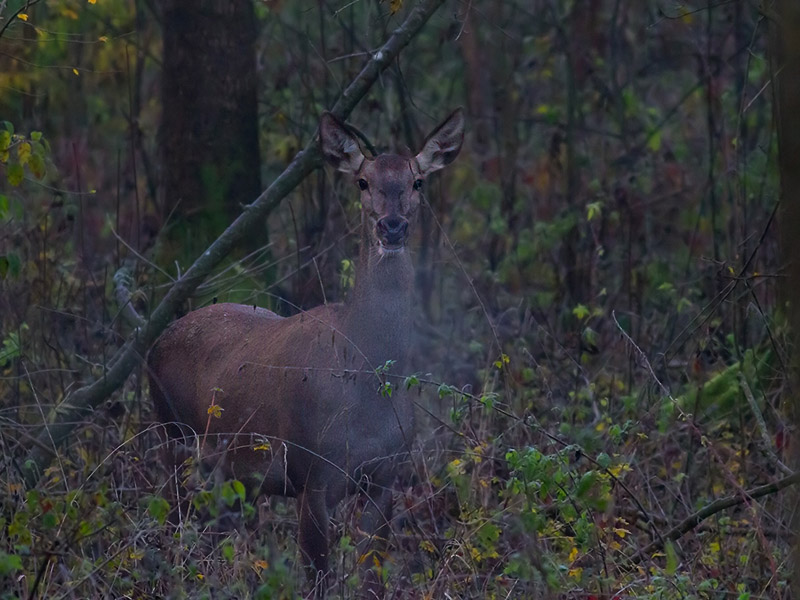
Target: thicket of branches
x,y
602,373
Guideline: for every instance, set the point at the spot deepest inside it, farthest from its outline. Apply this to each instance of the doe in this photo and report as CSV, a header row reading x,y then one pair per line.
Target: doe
x,y
304,413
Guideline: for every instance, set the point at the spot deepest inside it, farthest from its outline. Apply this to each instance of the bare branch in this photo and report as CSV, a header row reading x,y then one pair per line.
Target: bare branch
x,y
710,510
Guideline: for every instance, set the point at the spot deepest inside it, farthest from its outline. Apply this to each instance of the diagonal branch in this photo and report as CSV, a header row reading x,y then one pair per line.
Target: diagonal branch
x,y
79,405
709,510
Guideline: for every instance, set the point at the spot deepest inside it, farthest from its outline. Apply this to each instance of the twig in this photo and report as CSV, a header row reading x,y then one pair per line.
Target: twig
x,y
766,443
123,280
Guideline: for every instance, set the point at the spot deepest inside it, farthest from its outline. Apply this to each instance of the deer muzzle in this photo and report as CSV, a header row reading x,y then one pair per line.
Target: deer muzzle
x,y
392,233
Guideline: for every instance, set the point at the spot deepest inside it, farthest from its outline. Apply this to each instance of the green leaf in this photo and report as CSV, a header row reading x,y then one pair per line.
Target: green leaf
x,y
9,265
581,312
239,490
410,381
15,174
593,210
488,534
503,360
9,563
3,207
586,484
5,140
36,166
672,558
445,390
228,493
488,400
24,152
49,520
589,336
36,135
158,508
228,550
654,141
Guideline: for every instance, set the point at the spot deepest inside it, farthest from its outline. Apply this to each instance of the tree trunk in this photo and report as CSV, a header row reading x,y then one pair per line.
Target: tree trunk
x,y
786,69
209,127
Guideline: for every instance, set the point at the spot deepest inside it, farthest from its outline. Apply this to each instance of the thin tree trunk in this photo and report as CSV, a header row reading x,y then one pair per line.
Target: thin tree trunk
x,y
785,40
209,125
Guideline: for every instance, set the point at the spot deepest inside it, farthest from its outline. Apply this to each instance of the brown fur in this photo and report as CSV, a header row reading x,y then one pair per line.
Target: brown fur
x,y
304,389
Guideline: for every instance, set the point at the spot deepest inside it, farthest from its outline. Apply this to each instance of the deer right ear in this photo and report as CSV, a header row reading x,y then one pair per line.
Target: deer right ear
x,y
339,147
443,145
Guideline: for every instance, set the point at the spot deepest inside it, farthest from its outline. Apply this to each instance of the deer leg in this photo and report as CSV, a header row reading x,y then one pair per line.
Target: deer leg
x,y
313,536
376,523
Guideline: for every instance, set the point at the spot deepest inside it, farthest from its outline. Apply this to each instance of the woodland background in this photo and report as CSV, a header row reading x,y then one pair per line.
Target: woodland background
x,y
604,355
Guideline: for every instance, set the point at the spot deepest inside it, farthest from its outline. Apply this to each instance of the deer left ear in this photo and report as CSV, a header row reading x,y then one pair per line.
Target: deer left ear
x,y
443,145
339,146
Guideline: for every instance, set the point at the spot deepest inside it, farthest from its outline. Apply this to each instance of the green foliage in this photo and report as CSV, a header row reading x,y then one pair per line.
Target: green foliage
x,y
9,564
19,153
12,344
158,508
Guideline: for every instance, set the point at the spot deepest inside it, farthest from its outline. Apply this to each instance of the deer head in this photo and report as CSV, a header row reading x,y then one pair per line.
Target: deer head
x,y
390,185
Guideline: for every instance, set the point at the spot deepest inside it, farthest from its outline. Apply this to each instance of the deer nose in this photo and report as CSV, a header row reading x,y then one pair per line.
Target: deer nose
x,y
392,230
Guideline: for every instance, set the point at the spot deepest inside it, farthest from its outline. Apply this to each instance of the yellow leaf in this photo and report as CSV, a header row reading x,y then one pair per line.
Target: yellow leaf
x,y
92,1
617,470
215,410
427,546
395,5
260,565
504,360
103,38
573,554
24,153
478,452
576,572
74,70
265,446
621,532
22,16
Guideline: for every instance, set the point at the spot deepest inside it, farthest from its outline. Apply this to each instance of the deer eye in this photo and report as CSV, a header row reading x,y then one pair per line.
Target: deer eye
x,y
362,184
418,184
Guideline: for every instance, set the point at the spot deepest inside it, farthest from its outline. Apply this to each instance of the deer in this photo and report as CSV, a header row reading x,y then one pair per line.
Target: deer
x,y
307,406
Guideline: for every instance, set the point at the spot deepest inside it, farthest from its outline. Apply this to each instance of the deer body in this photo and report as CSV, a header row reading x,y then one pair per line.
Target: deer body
x,y
302,410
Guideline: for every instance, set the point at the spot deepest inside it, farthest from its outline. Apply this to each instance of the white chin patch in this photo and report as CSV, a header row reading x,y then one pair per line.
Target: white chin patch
x,y
384,251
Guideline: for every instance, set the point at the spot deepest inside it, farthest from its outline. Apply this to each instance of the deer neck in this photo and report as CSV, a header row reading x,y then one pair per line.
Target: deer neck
x,y
379,313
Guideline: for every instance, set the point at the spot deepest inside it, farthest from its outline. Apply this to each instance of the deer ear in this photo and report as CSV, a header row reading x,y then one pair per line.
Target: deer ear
x,y
339,146
443,145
